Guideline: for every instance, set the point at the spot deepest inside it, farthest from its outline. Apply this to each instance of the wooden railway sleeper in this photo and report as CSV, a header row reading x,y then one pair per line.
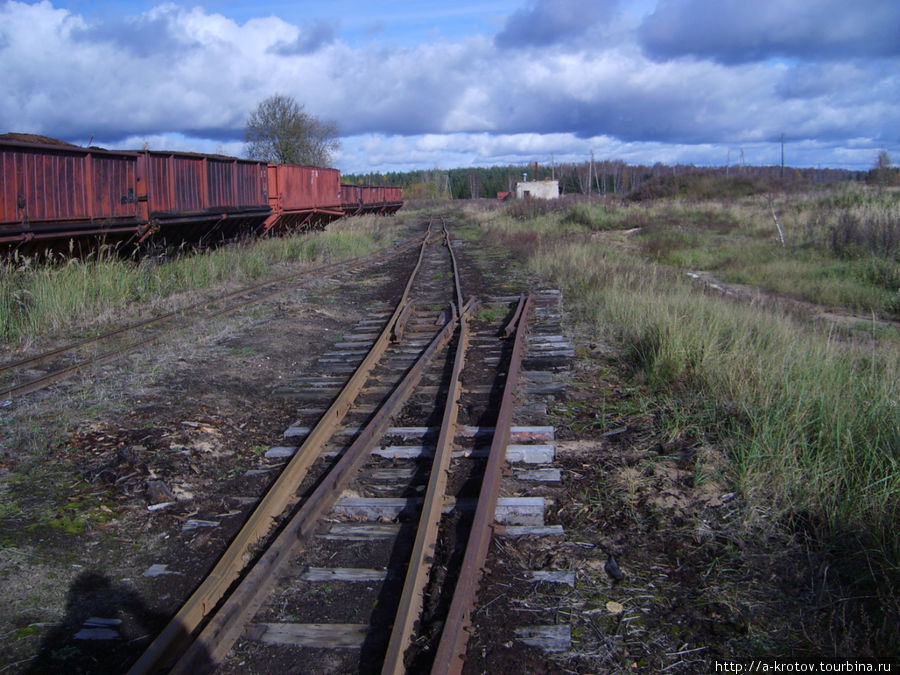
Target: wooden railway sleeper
x,y
214,642
175,637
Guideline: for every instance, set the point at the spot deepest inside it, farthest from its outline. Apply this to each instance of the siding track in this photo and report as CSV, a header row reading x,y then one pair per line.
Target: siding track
x,y
33,373
366,553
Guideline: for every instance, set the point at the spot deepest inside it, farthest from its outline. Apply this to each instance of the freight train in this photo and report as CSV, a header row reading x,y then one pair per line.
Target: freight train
x,y
52,195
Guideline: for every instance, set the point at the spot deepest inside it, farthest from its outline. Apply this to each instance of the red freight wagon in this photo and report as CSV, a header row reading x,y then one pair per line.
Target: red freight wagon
x,y
185,182
58,191
394,198
373,196
194,197
351,199
370,199
302,196
52,193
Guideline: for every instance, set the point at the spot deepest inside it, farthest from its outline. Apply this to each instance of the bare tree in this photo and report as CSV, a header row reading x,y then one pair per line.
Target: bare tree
x,y
582,178
474,182
882,171
279,131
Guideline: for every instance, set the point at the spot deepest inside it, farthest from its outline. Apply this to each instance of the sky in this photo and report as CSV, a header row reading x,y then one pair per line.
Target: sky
x,y
459,83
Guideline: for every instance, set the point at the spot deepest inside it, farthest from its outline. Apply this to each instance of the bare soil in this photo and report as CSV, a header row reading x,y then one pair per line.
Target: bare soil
x,y
87,467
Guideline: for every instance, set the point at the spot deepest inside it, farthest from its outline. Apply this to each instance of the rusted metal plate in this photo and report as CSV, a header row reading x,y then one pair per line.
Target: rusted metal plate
x,y
370,199
114,186
303,188
302,196
189,183
351,198
186,183
65,184
252,184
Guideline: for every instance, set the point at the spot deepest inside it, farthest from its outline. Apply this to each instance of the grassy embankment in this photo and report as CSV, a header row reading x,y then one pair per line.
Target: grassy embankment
x,y
807,411
40,299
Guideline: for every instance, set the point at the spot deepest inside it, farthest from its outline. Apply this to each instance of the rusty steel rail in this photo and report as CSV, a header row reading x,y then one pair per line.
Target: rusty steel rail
x,y
216,639
451,651
174,638
61,374
212,645
412,596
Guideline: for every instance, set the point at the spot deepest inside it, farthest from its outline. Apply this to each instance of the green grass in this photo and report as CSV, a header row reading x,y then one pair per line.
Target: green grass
x,y
39,298
841,245
810,419
491,313
846,255
597,217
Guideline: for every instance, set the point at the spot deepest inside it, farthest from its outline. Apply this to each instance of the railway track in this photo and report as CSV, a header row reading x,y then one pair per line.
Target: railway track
x,y
33,373
365,554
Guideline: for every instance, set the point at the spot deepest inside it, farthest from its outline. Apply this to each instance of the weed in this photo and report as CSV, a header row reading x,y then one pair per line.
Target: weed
x,y
491,314
26,632
810,421
44,296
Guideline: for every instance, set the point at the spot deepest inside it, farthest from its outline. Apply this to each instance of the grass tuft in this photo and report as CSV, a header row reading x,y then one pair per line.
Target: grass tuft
x,y
40,297
809,418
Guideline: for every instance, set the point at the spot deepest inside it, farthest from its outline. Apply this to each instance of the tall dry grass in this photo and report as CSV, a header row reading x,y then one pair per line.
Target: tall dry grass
x,y
811,420
46,297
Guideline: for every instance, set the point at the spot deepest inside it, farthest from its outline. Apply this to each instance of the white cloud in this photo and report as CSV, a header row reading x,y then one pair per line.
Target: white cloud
x,y
184,74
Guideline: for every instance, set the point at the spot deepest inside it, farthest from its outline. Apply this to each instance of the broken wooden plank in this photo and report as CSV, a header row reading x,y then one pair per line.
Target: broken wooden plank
x,y
321,635
353,574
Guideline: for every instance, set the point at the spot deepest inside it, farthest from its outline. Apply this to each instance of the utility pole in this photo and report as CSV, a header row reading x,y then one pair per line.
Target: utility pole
x,y
782,155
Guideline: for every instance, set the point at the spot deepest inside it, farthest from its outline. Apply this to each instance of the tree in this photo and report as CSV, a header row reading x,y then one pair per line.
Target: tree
x,y
279,131
882,172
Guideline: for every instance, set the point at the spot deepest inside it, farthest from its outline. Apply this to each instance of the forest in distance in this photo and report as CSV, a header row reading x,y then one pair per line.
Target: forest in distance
x,y
609,177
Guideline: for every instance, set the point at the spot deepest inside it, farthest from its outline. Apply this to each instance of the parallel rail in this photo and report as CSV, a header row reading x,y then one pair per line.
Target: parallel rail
x,y
203,632
159,323
451,651
171,642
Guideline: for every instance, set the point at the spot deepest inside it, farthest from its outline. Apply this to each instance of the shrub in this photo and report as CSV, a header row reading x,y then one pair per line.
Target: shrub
x,y
700,186
528,209
876,233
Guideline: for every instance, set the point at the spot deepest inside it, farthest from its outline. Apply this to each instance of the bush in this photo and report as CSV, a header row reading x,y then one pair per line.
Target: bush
x,y
873,233
700,186
529,209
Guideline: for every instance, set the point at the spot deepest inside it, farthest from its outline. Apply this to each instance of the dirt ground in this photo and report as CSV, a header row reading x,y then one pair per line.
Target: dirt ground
x,y
103,480
99,476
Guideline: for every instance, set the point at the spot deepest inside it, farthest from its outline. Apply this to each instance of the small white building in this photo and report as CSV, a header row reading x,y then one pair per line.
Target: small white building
x,y
538,189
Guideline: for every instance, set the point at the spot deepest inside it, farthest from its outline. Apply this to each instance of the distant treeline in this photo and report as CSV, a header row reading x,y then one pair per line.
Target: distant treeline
x,y
606,177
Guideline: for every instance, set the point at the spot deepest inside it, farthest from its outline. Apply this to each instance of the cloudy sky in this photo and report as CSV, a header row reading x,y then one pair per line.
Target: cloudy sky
x,y
455,83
